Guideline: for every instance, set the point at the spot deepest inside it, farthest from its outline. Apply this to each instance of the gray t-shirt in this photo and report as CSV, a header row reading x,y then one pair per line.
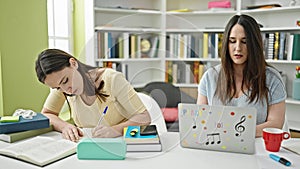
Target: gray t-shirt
x,y
274,82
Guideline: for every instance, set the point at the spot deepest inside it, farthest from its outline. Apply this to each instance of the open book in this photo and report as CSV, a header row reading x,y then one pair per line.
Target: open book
x,y
40,150
292,145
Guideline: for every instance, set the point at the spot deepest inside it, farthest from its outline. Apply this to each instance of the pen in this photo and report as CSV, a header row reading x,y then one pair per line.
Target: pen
x,y
101,118
280,159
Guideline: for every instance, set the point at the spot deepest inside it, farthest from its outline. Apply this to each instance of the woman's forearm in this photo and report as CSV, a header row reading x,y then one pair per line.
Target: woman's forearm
x,y
57,123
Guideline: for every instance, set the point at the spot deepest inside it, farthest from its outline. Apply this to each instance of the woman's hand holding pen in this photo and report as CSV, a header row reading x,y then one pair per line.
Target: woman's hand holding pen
x,y
71,132
105,132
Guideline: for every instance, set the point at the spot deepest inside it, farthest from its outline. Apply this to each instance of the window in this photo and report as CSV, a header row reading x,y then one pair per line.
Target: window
x,y
60,24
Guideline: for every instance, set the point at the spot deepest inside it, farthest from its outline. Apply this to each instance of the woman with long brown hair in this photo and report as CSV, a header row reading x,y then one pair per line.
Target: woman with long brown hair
x,y
89,91
243,78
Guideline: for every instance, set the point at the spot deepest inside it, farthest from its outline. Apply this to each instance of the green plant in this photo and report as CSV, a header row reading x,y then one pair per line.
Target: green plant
x,y
297,71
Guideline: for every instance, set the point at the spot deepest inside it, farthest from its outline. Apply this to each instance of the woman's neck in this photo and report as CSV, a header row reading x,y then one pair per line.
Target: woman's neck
x,y
238,71
96,77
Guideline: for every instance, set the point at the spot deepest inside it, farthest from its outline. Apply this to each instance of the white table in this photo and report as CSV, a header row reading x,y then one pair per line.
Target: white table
x,y
172,157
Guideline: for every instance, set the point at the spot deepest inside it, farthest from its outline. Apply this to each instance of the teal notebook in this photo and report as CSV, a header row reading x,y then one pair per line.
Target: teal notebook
x,y
37,122
138,138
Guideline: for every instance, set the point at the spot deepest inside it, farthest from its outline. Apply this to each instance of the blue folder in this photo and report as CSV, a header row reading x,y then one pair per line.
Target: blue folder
x,y
37,122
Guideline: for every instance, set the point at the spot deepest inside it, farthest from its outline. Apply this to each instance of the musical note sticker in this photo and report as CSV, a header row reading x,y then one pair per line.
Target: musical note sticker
x,y
219,125
183,112
239,128
195,123
212,137
195,115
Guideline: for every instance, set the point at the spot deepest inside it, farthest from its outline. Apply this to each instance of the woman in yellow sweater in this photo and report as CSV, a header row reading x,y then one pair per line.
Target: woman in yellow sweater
x,y
88,91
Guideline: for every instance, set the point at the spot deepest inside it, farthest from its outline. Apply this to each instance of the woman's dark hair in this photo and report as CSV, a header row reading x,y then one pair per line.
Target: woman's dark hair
x,y
53,60
254,77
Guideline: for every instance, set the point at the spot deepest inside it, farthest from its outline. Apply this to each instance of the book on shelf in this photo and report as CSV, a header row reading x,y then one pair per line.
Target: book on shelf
x,y
120,47
133,46
153,147
170,45
188,77
282,46
211,45
205,45
37,122
108,45
219,40
100,44
175,72
154,47
167,75
182,46
181,10
221,9
276,46
271,46
296,47
169,71
219,4
40,150
201,71
196,72
144,8
290,46
141,143
263,6
13,137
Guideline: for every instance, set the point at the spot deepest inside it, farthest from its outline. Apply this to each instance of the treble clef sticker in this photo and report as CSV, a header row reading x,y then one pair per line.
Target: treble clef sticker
x,y
239,128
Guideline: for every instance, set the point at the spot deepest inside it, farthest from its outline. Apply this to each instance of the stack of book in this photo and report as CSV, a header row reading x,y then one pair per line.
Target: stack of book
x,y
139,142
11,131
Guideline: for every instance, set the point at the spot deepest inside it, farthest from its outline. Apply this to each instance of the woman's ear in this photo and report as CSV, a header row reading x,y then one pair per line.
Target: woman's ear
x,y
73,63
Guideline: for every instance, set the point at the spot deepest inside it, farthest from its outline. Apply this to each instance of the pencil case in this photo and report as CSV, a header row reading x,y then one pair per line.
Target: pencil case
x,y
219,4
101,149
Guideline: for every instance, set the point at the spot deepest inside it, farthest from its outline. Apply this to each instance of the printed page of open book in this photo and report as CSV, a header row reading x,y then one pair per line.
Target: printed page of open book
x,y
41,150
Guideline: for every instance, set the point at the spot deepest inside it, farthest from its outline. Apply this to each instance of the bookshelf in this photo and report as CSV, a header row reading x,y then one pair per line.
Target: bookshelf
x,y
136,22
160,17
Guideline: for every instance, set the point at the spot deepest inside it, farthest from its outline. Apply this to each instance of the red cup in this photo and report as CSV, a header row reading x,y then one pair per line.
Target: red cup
x,y
273,138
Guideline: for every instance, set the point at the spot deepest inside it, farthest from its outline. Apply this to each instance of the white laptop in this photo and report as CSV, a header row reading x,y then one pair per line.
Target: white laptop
x,y
219,128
